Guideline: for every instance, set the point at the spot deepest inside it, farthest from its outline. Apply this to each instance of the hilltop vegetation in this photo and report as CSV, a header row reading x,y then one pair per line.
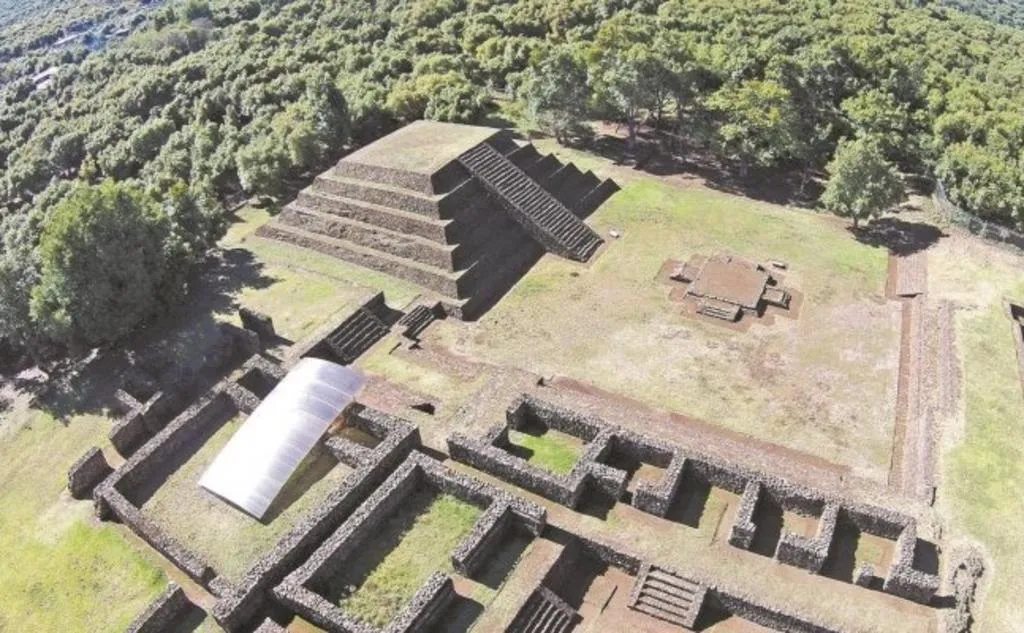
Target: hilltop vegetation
x,y
214,99
1008,12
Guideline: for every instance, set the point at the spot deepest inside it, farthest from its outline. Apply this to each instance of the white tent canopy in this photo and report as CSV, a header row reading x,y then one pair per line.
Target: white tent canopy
x,y
258,460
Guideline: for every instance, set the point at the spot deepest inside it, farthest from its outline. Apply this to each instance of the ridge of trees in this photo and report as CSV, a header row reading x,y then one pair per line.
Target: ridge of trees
x,y
215,98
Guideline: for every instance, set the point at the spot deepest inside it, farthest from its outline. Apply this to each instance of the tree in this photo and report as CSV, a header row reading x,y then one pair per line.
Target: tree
x,y
987,183
19,273
263,165
862,184
103,264
557,93
760,124
626,74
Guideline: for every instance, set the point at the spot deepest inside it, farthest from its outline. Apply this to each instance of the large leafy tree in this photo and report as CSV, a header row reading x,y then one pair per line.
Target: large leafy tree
x,y
760,125
103,264
988,183
557,93
862,184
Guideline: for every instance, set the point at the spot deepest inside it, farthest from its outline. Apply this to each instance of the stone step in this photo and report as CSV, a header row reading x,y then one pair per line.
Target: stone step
x,y
668,591
355,335
440,281
661,614
442,231
371,236
376,193
664,601
527,197
416,320
672,579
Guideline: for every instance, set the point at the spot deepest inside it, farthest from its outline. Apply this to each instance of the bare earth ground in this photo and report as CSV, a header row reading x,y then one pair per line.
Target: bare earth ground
x,y
799,383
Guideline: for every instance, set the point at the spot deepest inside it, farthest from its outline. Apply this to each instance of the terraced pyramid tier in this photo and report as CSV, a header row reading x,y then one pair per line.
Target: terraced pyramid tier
x,y
459,210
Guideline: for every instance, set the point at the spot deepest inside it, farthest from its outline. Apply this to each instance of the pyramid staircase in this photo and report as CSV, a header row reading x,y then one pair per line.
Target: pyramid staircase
x,y
447,233
544,612
718,309
416,320
355,335
665,594
540,213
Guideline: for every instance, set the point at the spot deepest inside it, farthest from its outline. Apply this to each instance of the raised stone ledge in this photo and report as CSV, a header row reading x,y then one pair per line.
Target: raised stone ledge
x,y
115,504
769,617
163,613
215,407
481,542
809,553
86,473
488,455
905,581
741,534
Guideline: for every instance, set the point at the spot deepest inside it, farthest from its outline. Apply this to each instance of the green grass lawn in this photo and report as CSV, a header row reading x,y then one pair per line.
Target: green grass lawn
x,y
554,451
801,383
226,537
417,541
60,569
303,287
983,464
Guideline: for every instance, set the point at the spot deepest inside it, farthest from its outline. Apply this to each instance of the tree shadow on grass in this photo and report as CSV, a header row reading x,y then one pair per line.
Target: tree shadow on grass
x,y
659,154
168,346
900,237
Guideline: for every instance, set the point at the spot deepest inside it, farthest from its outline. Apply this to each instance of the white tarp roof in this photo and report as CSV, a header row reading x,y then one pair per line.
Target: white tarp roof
x,y
257,461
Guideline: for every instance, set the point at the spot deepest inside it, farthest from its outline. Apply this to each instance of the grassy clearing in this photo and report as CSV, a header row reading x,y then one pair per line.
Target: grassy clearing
x,y
229,539
58,564
299,287
554,451
983,473
801,383
413,544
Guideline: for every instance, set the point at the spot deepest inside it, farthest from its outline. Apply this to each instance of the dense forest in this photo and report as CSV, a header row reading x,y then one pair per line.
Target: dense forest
x,y
141,143
1009,12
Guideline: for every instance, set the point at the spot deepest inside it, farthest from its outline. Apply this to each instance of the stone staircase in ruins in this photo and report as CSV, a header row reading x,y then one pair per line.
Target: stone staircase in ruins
x,y
355,335
416,320
541,214
544,612
664,594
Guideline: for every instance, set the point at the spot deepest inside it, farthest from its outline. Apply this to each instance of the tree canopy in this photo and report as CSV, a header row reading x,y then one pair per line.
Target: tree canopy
x,y
861,185
210,99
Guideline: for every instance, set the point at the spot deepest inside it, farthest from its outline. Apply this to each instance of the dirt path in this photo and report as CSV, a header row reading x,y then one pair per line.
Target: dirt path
x,y
927,390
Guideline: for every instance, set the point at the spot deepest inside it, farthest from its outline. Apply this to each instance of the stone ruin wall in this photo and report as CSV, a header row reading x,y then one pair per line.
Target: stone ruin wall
x,y
489,455
164,613
299,590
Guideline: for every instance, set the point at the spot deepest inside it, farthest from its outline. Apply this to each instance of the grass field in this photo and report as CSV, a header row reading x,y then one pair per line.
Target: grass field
x,y
414,543
801,383
552,450
302,287
226,537
983,470
58,563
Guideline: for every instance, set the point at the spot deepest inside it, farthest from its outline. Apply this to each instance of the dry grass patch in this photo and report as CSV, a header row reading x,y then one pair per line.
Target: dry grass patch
x,y
823,384
231,540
